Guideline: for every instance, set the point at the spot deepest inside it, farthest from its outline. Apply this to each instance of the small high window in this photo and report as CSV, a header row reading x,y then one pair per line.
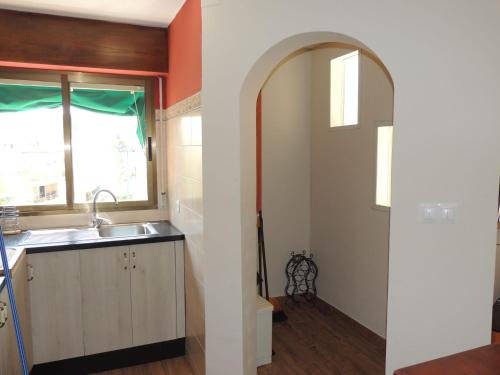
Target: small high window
x,y
344,90
384,166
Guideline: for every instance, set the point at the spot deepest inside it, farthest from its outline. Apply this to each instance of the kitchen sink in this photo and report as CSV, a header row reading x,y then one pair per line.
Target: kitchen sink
x,y
126,230
47,236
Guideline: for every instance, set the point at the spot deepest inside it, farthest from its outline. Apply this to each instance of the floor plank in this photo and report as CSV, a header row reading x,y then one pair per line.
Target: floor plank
x,y
316,340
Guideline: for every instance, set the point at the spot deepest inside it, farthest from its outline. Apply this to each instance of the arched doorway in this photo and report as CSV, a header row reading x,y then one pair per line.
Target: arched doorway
x,y
319,156
260,72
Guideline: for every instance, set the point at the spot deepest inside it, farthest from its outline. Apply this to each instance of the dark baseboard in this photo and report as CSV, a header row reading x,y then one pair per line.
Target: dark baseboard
x,y
111,360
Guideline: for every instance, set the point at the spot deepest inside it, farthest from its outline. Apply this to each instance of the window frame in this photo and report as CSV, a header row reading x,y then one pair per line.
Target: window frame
x,y
376,206
66,78
343,57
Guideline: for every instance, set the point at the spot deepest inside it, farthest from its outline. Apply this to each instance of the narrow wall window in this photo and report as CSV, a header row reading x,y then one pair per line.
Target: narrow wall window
x,y
384,166
344,90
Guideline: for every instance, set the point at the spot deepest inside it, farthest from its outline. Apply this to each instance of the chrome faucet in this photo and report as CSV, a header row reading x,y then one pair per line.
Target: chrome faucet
x,y
96,220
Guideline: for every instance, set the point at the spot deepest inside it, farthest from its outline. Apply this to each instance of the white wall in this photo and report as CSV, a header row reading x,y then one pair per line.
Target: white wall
x,y
445,150
349,237
185,185
286,166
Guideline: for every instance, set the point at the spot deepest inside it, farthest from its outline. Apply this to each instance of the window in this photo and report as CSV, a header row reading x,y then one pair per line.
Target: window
x,y
344,90
384,166
63,137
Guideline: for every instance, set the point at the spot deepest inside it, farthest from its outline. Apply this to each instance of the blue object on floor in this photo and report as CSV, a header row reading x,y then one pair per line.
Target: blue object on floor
x,y
13,308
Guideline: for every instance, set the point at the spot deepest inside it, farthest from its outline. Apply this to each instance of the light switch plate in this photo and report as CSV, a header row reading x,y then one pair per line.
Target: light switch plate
x,y
448,213
427,213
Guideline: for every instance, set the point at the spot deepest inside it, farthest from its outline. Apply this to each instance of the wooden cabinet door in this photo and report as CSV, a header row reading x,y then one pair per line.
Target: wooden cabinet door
x,y
4,337
21,291
14,366
9,356
107,321
153,293
56,306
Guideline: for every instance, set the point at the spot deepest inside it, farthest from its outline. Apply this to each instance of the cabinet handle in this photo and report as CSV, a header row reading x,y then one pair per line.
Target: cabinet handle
x,y
133,260
30,272
125,261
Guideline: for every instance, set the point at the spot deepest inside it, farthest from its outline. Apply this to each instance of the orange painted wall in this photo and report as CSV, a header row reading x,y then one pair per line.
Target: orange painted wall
x,y
184,53
259,151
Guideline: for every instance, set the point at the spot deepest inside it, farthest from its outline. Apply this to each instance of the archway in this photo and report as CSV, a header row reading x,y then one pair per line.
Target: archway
x,y
258,74
318,178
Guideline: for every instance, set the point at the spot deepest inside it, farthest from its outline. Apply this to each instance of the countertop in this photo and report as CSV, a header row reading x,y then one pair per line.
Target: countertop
x,y
166,233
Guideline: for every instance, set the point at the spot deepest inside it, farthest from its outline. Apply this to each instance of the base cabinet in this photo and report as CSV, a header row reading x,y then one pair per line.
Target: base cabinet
x,y
93,301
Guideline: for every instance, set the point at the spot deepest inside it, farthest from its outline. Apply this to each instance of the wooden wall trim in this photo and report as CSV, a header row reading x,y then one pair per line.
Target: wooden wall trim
x,y
32,38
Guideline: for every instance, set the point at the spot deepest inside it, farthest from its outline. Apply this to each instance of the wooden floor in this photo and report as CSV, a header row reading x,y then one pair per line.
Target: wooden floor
x,y
316,340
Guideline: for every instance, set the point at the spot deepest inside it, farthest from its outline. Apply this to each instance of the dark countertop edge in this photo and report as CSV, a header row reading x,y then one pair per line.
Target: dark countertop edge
x,y
167,233
123,241
2,283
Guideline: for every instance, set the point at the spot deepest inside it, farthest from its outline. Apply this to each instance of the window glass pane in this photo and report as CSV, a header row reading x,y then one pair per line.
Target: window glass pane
x,y
107,154
336,92
351,90
344,88
384,165
31,145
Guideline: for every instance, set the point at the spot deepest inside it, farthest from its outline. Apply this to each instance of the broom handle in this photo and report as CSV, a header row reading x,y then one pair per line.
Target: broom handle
x,y
259,276
261,222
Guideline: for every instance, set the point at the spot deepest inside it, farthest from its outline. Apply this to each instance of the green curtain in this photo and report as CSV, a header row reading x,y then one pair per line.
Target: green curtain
x,y
15,98
121,103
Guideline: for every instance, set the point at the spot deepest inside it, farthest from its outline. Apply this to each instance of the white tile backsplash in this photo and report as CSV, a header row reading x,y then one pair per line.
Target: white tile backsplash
x,y
185,185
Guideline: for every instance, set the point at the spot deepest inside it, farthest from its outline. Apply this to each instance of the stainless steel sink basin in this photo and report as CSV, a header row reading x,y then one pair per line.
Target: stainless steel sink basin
x,y
48,236
126,230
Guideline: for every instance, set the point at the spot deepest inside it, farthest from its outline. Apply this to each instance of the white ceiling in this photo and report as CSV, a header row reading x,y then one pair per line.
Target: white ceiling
x,y
139,12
